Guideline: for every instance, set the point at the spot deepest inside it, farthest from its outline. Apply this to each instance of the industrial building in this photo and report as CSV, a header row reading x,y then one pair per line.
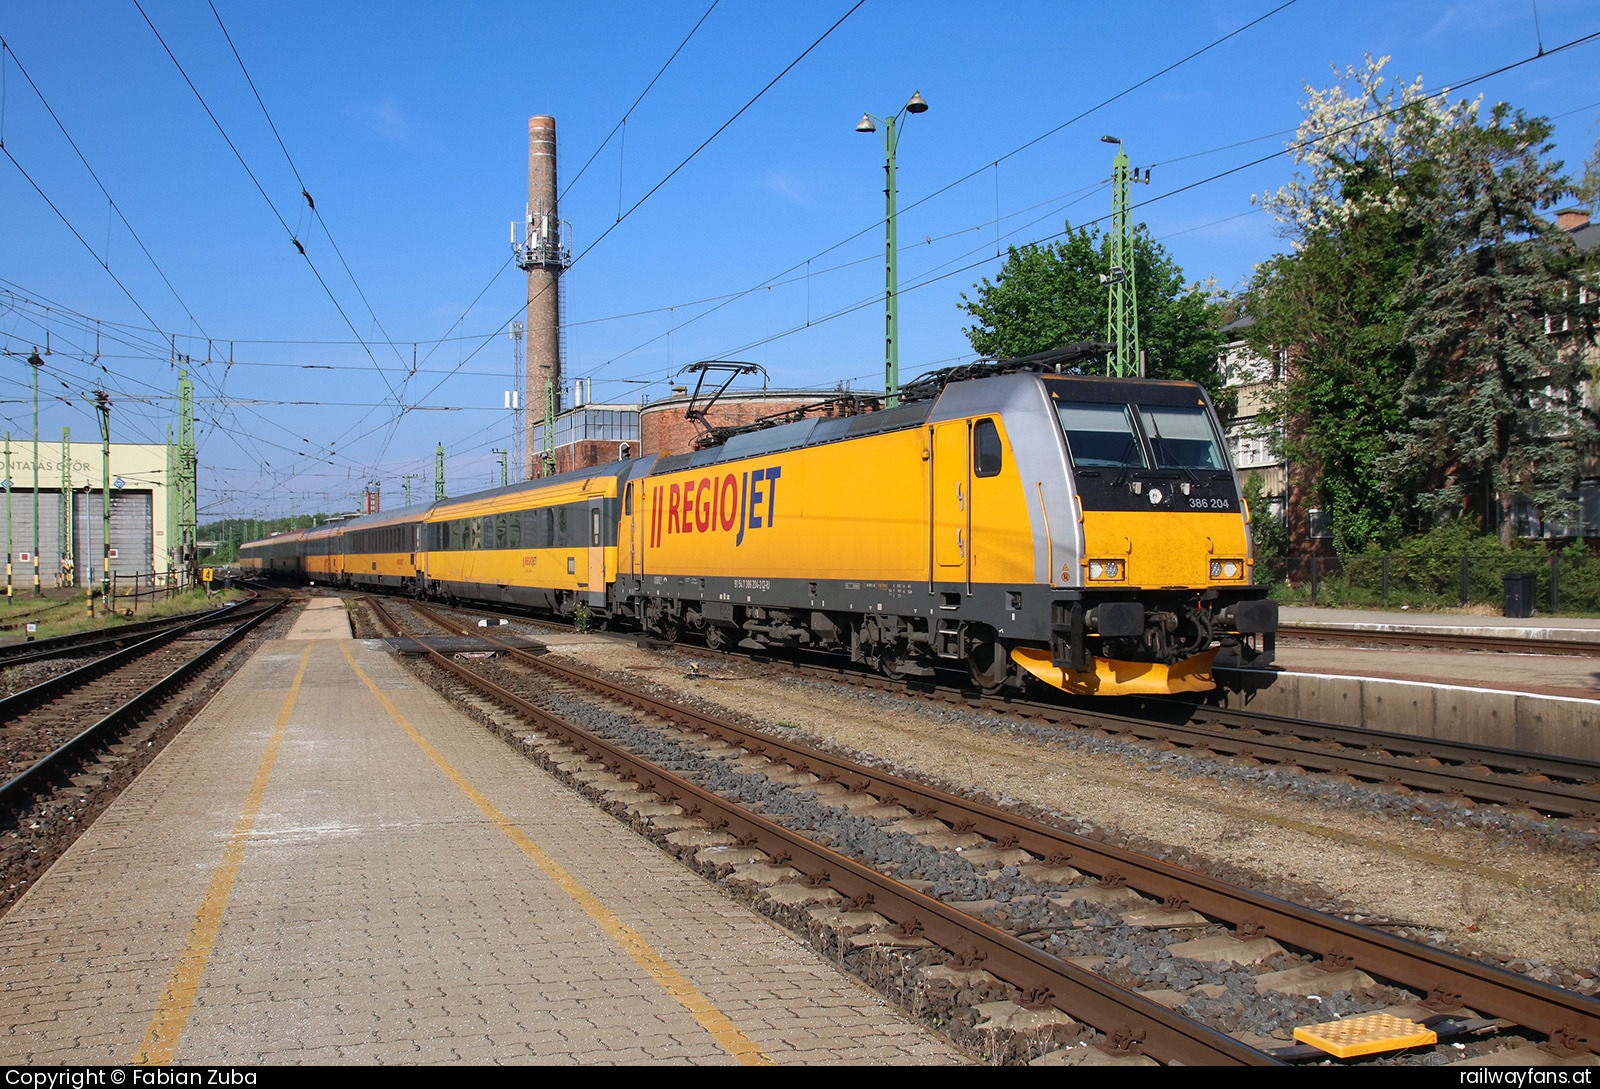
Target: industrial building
x,y
144,512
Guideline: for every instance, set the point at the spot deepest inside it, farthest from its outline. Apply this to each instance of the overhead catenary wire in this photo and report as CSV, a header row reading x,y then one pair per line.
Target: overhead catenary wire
x,y
304,189
264,196
458,370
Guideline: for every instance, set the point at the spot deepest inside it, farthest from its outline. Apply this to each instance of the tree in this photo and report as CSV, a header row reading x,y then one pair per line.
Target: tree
x,y
1499,321
1048,296
1354,215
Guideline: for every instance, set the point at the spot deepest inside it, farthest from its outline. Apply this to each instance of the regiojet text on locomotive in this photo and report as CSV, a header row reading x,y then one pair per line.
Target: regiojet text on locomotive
x,y
715,504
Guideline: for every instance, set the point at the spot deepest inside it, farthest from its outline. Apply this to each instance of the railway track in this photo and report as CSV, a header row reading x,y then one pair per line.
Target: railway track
x,y
1437,640
105,640
69,743
915,874
1534,786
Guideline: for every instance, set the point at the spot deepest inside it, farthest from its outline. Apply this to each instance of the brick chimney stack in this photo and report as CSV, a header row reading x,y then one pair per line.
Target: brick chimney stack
x,y
1570,219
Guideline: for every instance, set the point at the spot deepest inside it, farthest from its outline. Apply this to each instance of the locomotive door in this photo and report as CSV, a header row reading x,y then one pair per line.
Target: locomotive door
x,y
951,506
634,543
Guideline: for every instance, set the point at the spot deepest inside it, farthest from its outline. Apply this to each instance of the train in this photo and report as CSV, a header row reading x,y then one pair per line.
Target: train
x,y
1024,525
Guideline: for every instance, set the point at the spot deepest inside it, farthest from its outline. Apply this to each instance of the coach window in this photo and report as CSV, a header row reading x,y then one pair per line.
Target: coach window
x,y
986,459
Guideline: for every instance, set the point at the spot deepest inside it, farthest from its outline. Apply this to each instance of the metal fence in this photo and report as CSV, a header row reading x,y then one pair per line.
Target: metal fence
x,y
1564,583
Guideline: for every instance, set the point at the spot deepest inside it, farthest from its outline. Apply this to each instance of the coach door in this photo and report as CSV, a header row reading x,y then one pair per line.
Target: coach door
x,y
595,580
950,505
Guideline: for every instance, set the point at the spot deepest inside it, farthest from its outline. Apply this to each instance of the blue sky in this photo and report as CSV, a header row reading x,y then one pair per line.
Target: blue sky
x,y
407,123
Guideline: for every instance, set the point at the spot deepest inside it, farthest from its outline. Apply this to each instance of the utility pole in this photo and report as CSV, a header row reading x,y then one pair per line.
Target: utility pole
x,y
505,478
406,483
36,363
516,397
438,472
188,480
102,405
68,577
9,600
1122,317
547,456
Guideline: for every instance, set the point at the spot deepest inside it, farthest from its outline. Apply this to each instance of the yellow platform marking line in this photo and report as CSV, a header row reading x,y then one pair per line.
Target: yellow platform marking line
x,y
713,1020
161,1039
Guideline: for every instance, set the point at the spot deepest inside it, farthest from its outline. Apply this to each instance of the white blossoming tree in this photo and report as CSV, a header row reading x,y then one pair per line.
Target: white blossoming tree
x,y
1404,354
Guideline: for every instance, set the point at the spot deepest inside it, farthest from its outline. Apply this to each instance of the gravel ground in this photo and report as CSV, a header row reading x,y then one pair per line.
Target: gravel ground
x,y
1514,897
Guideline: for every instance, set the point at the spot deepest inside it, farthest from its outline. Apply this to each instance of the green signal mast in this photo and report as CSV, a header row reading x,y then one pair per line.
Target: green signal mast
x,y
1122,316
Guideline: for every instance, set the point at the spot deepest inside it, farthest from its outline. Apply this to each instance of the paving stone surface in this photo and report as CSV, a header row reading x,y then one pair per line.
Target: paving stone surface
x,y
379,915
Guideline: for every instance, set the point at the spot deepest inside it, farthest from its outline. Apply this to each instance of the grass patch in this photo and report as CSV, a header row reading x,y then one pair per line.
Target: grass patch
x,y
71,616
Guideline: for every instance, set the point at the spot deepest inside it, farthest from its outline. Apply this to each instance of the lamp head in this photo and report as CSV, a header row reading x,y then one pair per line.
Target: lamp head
x,y
866,124
917,104
1109,140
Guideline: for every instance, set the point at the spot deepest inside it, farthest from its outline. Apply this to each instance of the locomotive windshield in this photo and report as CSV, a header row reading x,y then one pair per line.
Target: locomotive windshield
x,y
1101,436
1181,437
1147,436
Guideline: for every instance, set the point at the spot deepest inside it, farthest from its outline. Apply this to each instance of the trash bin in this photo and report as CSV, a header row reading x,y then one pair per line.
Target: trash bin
x,y
1519,593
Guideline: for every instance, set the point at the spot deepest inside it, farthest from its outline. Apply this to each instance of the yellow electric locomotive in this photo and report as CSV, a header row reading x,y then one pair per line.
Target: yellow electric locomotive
x,y
1088,532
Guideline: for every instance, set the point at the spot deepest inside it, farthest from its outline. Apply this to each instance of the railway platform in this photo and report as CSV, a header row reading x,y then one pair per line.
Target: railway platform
x,y
1525,694
331,864
1537,665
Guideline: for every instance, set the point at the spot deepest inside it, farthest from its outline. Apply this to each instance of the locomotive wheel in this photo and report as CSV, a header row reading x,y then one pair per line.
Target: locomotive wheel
x,y
717,638
671,628
988,665
890,663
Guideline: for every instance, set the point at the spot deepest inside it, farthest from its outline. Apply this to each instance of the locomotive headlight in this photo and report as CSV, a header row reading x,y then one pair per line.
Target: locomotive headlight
x,y
1102,570
1156,496
1227,569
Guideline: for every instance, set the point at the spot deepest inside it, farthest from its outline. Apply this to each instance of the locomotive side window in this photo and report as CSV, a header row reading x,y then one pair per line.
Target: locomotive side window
x,y
1101,436
986,457
1182,438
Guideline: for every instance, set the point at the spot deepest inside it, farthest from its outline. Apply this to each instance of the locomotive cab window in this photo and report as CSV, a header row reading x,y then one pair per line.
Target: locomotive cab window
x,y
1101,436
986,454
1182,437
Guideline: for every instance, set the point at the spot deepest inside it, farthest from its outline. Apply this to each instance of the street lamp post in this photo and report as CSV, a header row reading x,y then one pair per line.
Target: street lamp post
x,y
891,278
35,363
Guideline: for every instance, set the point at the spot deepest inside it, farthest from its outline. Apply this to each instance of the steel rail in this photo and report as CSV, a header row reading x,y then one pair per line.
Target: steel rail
x,y
34,650
1481,774
1449,768
1574,648
1169,1036
1539,1006
31,698
15,792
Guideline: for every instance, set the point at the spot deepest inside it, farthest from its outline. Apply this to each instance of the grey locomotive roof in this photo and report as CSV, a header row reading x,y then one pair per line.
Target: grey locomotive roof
x,y
794,436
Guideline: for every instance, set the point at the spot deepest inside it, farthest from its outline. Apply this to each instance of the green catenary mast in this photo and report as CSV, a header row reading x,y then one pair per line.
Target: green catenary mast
x,y
188,479
1122,316
67,553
